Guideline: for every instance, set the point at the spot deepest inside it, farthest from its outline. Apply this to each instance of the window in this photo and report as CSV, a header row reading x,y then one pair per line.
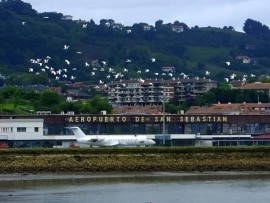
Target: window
x,y
21,129
6,129
36,129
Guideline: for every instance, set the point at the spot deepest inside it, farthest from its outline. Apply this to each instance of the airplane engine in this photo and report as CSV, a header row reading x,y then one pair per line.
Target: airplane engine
x,y
97,139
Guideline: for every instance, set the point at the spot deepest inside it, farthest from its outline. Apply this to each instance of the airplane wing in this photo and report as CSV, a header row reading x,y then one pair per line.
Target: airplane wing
x,y
122,144
110,144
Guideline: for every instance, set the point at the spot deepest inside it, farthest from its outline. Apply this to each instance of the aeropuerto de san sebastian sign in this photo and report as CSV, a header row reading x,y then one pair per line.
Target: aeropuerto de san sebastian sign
x,y
146,119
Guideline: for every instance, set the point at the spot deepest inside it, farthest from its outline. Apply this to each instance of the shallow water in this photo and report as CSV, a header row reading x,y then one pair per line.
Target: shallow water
x,y
137,187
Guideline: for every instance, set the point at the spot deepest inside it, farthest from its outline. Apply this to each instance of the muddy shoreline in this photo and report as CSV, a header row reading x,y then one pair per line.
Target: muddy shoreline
x,y
133,175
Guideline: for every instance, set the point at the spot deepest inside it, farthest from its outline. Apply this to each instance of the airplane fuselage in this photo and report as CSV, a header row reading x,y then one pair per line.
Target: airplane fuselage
x,y
119,140
111,140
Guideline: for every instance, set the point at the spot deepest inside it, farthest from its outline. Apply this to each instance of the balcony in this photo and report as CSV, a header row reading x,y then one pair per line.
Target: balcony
x,y
199,91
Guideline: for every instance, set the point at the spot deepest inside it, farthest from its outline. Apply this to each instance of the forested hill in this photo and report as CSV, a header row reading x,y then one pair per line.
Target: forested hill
x,y
50,46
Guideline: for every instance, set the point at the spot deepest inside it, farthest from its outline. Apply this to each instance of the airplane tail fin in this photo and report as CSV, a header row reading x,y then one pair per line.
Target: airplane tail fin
x,y
77,132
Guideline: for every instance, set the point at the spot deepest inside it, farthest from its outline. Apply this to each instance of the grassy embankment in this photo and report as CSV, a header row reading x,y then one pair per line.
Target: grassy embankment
x,y
134,159
10,107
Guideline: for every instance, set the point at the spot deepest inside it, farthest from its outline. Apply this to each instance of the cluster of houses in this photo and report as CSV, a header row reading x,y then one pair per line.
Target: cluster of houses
x,y
153,92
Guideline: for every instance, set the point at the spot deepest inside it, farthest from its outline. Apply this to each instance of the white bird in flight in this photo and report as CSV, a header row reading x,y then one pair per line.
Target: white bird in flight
x,y
232,76
228,63
66,47
67,61
104,63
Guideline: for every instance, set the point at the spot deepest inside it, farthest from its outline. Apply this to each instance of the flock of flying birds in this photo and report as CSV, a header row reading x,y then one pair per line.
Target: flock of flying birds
x,y
68,71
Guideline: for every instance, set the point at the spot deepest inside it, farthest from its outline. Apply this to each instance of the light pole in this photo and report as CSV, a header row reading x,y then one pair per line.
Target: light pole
x,y
163,124
258,102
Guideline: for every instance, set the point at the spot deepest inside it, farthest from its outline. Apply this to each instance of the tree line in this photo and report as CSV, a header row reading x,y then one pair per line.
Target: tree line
x,y
16,101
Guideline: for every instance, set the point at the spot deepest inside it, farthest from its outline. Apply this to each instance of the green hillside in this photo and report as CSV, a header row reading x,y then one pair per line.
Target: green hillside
x,y
46,48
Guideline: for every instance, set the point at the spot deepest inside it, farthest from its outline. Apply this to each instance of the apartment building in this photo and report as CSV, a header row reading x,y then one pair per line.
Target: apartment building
x,y
190,88
154,92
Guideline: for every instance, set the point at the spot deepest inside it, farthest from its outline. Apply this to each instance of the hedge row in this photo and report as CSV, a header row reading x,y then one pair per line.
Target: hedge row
x,y
135,150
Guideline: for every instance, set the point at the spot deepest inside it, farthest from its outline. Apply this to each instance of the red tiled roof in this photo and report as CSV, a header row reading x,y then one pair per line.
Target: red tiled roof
x,y
231,109
263,136
256,86
137,110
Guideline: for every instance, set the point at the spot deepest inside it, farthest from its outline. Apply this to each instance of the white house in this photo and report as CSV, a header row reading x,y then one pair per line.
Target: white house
x,y
67,17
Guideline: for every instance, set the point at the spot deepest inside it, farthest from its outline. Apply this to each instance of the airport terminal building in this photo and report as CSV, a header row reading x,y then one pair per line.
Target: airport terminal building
x,y
190,129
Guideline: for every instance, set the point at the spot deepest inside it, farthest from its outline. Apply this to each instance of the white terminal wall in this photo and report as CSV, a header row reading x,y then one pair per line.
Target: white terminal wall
x,y
9,129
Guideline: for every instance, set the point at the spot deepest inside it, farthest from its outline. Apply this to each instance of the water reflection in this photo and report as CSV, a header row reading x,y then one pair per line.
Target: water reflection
x,y
137,187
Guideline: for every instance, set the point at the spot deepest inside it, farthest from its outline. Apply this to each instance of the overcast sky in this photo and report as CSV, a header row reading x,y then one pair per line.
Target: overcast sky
x,y
215,13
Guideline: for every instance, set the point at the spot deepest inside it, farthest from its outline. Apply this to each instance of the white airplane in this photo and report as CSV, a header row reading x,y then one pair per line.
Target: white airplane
x,y
111,140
